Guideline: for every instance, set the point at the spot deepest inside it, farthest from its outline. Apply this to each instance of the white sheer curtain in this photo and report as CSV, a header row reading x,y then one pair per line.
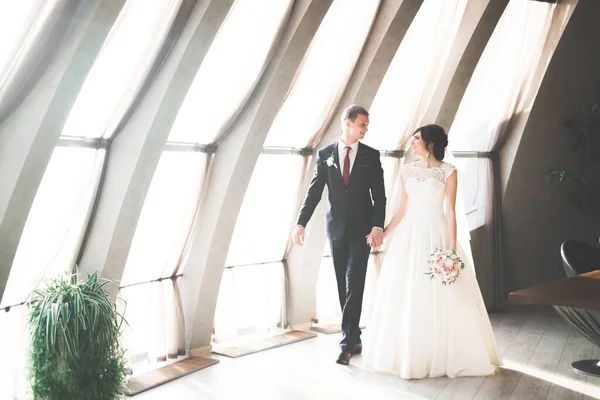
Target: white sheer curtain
x,y
414,73
155,253
267,212
58,218
262,216
56,222
323,74
218,92
250,303
501,91
309,105
327,304
166,217
30,32
499,87
122,66
60,212
231,69
161,336
16,19
49,243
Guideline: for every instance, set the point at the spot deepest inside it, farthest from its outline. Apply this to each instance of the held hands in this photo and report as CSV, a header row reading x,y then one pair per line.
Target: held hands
x,y
375,238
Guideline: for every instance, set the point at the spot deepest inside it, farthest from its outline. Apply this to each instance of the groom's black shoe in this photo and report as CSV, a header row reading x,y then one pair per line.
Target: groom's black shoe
x,y
344,358
357,349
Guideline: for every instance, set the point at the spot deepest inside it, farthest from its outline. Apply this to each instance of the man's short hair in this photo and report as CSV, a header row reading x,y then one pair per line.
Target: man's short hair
x,y
353,111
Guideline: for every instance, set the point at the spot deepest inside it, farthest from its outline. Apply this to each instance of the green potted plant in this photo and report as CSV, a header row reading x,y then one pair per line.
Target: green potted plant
x,y
75,351
584,182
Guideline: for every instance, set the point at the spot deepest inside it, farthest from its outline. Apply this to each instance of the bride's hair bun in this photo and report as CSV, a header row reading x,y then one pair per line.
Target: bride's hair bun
x,y
434,136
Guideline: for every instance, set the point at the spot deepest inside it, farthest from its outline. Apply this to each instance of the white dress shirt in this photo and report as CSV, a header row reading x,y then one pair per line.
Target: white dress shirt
x,y
342,154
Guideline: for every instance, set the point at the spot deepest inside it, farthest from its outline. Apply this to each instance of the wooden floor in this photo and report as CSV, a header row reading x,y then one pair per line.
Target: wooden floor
x,y
537,348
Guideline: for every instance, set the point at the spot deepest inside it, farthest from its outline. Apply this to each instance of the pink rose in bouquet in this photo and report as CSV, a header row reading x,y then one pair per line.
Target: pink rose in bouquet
x,y
445,265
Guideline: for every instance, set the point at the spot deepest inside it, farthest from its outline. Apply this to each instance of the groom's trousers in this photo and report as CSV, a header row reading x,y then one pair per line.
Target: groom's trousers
x,y
350,258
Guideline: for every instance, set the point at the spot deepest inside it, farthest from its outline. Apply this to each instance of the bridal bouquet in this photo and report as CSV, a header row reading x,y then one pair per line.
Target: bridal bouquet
x,y
446,265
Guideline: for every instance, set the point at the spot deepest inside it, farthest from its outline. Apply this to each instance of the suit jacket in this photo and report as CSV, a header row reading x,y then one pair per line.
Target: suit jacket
x,y
354,209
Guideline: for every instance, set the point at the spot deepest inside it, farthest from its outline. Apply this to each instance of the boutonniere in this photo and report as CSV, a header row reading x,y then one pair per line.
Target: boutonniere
x,y
331,160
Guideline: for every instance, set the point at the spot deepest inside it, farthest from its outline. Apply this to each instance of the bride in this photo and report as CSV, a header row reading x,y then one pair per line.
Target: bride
x,y
420,328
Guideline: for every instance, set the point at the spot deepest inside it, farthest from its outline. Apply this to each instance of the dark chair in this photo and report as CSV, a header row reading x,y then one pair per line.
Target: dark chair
x,y
579,258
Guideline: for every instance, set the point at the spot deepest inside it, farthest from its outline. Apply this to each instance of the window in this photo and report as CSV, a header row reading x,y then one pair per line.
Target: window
x,y
272,199
230,70
219,91
414,73
473,180
121,67
17,22
155,322
57,220
166,216
512,56
323,75
263,226
250,302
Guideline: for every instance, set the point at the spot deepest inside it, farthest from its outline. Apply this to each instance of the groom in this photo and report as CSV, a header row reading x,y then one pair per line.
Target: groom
x,y
355,217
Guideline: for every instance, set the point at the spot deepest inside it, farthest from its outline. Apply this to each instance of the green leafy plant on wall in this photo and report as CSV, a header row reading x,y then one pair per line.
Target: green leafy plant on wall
x,y
75,351
583,183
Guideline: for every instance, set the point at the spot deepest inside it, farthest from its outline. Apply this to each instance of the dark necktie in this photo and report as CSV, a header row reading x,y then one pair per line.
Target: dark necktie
x,y
346,173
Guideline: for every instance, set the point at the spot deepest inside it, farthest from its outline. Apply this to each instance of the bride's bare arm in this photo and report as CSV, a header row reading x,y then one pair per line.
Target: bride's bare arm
x,y
451,186
399,214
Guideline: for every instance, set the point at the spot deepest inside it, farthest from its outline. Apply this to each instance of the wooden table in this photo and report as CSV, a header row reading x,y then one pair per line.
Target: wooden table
x,y
581,291
577,300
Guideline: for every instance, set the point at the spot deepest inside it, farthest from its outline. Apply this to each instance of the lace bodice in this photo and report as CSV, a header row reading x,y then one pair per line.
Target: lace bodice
x,y
426,189
440,173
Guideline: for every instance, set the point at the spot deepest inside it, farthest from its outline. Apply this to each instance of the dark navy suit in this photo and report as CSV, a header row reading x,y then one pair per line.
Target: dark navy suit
x,y
353,211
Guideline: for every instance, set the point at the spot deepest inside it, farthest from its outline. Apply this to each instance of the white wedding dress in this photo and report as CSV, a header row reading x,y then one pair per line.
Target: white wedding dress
x,y
418,327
